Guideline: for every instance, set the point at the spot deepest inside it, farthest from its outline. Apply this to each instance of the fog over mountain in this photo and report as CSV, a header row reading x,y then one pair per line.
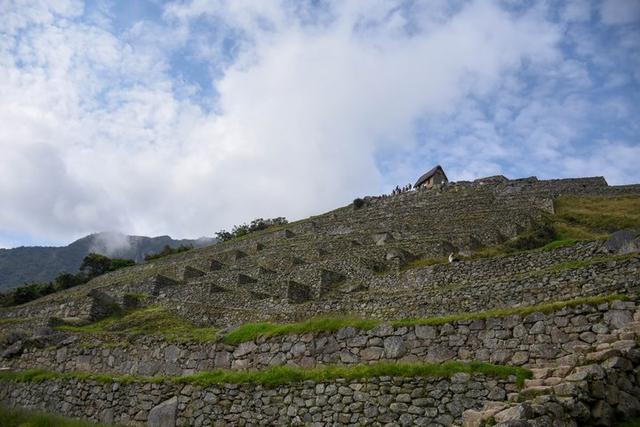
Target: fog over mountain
x,y
41,264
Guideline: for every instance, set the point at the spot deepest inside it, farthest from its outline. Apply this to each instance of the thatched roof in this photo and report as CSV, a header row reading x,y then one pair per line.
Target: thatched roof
x,y
428,175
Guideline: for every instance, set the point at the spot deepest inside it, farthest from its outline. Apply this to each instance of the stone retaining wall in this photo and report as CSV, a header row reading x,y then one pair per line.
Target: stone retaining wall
x,y
408,401
537,339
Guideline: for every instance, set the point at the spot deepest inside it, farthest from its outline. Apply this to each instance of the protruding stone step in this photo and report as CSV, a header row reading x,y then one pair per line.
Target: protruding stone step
x,y
191,273
235,255
243,279
214,289
258,295
297,292
215,265
102,305
264,271
256,247
160,282
295,261
329,279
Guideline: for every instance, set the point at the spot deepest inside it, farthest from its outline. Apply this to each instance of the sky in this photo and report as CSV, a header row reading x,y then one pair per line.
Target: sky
x,y
187,117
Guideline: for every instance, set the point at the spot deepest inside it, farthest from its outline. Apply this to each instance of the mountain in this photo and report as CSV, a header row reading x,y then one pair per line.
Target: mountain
x,y
42,264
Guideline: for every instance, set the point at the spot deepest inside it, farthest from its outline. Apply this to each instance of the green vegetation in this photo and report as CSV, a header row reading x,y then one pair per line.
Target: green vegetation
x,y
576,218
93,265
256,225
11,417
251,331
594,217
168,250
503,312
153,320
287,374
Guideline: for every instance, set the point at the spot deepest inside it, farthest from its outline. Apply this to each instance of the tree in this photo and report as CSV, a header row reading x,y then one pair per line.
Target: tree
x,y
94,265
68,280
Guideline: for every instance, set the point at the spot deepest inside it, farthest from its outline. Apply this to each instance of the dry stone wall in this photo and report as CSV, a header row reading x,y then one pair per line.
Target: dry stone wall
x,y
533,340
381,400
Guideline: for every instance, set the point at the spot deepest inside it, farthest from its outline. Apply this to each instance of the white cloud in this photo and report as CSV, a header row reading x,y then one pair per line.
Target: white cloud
x,y
620,11
100,135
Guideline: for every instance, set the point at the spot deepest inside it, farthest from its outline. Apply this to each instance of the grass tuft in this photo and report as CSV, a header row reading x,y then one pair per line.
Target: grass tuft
x,y
280,375
153,320
250,331
503,312
287,374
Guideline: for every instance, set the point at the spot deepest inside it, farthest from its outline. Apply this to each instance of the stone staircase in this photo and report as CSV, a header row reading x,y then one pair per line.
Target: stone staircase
x,y
600,387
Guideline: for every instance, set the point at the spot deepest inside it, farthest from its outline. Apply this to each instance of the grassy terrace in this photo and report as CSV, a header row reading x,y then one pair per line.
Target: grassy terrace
x,y
154,321
159,322
287,374
11,417
251,331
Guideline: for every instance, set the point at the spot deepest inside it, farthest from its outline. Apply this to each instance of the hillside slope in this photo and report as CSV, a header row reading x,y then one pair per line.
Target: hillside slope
x,y
356,317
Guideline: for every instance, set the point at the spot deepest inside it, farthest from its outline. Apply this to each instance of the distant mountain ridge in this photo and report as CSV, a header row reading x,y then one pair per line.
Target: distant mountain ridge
x,y
28,264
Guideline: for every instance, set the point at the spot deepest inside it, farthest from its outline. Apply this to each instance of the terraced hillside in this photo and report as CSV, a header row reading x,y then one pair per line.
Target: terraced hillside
x,y
356,317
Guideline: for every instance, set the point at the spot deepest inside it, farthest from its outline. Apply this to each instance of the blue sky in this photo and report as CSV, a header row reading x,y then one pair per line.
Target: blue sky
x,y
183,118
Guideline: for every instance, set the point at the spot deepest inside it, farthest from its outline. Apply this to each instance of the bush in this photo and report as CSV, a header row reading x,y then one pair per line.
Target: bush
x,y
168,250
358,203
257,224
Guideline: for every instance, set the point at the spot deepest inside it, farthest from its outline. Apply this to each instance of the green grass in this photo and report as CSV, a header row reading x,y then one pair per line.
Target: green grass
x,y
503,312
251,331
594,217
560,243
13,417
153,320
576,218
288,374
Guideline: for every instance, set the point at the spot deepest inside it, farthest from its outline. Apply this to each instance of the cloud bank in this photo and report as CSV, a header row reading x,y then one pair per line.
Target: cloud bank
x,y
194,116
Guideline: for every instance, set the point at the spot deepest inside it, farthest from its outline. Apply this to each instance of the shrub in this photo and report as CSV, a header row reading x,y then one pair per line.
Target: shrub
x,y
358,203
168,250
257,224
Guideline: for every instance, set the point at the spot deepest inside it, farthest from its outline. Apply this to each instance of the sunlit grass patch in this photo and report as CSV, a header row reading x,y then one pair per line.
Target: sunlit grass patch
x,y
153,320
594,217
289,374
250,331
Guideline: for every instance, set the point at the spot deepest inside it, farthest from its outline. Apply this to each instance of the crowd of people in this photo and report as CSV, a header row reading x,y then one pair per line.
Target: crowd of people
x,y
400,190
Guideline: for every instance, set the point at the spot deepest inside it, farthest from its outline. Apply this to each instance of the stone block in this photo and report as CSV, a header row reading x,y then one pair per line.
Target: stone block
x,y
164,414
